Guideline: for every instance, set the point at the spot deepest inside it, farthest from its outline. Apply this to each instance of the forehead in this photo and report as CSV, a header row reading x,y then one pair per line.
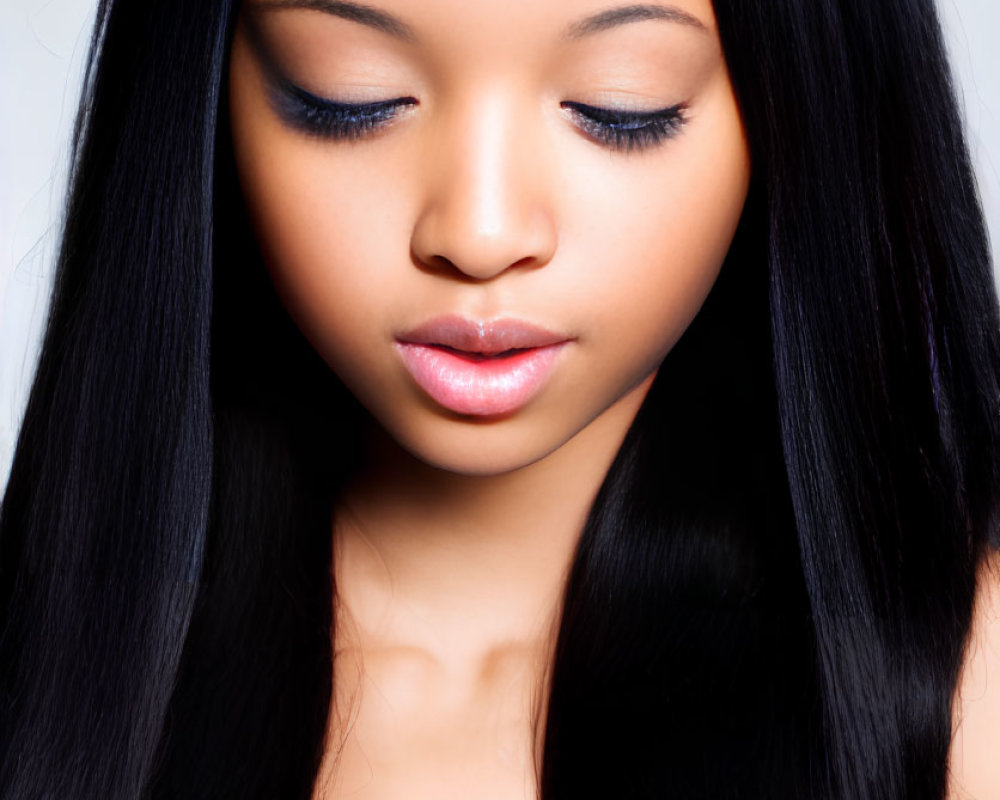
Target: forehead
x,y
489,23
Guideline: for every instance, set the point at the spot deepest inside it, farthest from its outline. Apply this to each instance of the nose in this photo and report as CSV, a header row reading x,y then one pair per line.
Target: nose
x,y
487,207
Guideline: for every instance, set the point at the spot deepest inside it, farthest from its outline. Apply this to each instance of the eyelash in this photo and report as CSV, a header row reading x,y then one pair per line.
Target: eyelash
x,y
332,120
629,130
614,128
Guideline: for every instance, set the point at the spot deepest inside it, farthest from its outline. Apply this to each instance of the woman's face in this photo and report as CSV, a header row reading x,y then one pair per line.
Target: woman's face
x,y
493,219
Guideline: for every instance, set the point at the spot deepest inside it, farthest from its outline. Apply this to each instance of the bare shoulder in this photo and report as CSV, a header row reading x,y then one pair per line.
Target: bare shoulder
x,y
974,762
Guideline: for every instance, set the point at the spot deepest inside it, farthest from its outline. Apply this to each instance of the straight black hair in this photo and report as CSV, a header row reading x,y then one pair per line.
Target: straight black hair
x,y
773,591
835,679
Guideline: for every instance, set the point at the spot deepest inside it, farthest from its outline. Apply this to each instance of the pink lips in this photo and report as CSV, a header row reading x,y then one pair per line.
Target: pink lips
x,y
480,368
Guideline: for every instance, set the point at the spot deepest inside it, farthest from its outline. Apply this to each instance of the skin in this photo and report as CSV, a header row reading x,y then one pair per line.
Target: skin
x,y
484,197
974,768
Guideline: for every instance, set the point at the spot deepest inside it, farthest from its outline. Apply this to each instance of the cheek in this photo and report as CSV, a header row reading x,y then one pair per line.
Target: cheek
x,y
325,221
329,252
652,239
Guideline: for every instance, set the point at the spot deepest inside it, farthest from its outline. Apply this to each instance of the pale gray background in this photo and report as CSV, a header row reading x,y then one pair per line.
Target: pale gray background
x,y
42,47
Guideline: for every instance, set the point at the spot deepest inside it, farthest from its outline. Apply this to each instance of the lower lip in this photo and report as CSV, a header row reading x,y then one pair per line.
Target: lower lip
x,y
490,387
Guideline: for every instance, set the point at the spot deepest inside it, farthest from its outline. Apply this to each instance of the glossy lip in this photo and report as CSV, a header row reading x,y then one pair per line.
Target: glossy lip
x,y
480,368
487,337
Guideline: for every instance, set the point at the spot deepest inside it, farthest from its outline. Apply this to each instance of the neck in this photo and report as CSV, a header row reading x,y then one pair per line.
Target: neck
x,y
470,562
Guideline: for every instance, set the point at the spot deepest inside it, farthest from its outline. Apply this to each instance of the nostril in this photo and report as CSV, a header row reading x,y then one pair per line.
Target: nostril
x,y
470,269
442,263
475,266
432,262
463,240
527,261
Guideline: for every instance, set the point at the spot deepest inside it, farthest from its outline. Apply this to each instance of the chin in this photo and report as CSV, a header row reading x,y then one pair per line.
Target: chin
x,y
479,448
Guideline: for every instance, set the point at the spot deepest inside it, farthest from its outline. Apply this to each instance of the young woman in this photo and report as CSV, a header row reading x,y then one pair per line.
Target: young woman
x,y
451,399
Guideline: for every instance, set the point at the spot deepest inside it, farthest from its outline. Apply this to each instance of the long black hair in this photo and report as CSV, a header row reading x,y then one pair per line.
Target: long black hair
x,y
773,590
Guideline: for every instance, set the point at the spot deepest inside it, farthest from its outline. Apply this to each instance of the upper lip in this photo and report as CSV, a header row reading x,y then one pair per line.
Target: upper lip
x,y
487,337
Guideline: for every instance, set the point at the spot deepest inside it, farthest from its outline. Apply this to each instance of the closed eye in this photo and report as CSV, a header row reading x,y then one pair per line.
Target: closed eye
x,y
617,129
331,119
625,130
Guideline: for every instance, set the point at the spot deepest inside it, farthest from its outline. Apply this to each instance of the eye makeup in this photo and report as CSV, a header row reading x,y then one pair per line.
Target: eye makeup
x,y
308,113
628,130
330,119
617,129
614,128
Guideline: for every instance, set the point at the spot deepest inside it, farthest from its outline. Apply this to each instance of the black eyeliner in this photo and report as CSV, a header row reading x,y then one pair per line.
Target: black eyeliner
x,y
311,114
308,113
628,130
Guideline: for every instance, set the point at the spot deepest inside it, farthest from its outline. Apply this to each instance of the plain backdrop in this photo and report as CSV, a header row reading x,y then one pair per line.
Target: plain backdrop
x,y
43,45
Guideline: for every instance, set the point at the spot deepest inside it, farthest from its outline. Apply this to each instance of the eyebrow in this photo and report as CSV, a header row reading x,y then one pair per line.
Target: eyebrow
x,y
356,12
387,23
613,17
